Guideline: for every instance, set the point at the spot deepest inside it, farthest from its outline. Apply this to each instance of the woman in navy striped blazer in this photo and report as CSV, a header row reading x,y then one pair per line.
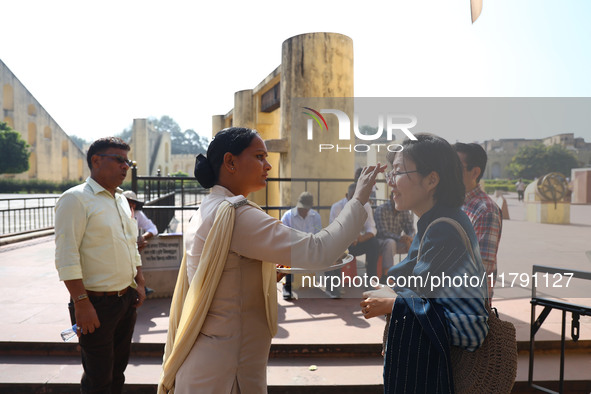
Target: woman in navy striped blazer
x,y
441,294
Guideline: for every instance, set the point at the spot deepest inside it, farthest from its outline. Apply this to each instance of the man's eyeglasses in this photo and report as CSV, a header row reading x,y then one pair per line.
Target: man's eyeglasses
x,y
120,159
392,174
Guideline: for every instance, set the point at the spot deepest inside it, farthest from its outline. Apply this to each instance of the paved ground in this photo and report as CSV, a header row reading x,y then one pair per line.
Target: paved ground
x,y
33,301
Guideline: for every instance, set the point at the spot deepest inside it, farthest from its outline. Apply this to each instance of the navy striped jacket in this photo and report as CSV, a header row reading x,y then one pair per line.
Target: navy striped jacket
x,y
441,302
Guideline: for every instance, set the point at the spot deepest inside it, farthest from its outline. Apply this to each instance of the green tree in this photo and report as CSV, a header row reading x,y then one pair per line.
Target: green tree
x,y
14,152
79,141
538,160
187,142
125,135
166,123
561,160
181,174
190,142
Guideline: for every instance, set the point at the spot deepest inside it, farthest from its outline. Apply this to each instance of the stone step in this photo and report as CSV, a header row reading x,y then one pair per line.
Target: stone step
x,y
292,350
286,373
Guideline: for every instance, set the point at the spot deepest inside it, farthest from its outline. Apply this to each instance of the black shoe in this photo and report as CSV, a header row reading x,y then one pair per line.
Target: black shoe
x,y
335,293
287,294
149,291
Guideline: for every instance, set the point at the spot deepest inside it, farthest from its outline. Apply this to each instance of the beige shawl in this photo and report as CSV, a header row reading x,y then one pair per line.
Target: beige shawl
x,y
190,303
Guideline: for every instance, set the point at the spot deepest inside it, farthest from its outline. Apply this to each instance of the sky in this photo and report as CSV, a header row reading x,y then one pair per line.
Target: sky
x,y
95,66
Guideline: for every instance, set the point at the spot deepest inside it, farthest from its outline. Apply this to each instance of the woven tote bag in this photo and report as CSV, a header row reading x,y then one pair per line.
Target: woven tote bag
x,y
492,368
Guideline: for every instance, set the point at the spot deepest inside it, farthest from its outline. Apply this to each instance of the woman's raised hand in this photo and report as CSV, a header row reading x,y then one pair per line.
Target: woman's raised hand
x,y
366,181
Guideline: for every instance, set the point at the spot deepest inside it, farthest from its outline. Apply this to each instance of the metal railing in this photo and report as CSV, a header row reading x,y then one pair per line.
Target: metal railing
x,y
315,184
164,195
27,214
549,304
187,190
189,193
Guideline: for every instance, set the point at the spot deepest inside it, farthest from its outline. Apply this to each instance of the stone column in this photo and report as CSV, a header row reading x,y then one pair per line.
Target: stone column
x,y
217,124
243,109
140,151
315,65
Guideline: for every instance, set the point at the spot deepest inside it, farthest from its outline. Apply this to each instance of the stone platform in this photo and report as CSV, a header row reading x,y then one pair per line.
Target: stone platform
x,y
341,343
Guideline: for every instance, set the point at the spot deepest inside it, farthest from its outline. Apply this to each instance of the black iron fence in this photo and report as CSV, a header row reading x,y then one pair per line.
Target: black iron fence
x,y
164,196
188,192
576,310
27,214
318,187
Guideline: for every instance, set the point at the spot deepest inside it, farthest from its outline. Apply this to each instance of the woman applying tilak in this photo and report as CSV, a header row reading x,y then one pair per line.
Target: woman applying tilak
x,y
229,316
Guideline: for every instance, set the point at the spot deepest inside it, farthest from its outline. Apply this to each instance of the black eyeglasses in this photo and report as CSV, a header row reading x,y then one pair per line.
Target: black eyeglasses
x,y
120,159
392,174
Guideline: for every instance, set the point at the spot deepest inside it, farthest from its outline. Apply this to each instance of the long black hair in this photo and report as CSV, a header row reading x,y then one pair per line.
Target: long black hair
x,y
233,140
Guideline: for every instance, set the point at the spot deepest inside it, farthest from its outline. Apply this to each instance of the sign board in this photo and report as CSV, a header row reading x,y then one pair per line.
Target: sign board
x,y
163,251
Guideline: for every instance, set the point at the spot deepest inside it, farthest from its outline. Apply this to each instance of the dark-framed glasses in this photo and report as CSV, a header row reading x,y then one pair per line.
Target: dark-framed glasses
x,y
392,174
118,158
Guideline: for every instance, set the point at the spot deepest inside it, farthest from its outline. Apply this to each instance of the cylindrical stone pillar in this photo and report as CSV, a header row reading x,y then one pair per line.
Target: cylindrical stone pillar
x,y
140,149
244,109
217,124
316,65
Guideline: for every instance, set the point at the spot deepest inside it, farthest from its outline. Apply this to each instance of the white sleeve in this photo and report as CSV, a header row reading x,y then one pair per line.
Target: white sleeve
x,y
145,224
259,236
335,209
317,222
332,214
370,223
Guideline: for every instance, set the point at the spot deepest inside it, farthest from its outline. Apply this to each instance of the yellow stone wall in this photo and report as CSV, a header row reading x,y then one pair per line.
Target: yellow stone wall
x,y
184,163
150,149
54,156
314,65
548,212
267,124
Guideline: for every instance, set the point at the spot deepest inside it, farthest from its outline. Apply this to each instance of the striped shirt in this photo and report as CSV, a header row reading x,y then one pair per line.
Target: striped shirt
x,y
486,217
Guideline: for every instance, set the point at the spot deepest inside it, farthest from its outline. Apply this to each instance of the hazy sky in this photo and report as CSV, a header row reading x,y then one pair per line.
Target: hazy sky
x,y
95,66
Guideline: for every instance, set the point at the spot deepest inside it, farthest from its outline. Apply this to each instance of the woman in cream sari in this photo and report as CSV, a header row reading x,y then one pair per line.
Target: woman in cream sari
x,y
222,324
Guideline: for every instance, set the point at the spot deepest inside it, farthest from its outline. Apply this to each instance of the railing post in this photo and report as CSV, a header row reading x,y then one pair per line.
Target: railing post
x,y
134,178
158,175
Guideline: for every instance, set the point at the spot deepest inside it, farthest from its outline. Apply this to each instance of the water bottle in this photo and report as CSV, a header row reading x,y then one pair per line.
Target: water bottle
x,y
69,333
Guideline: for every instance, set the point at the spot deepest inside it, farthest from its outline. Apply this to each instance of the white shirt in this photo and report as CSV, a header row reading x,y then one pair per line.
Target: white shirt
x,y
96,238
312,223
368,227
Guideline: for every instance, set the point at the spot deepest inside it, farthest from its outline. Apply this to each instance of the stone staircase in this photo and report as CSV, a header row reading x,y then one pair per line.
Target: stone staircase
x,y
35,367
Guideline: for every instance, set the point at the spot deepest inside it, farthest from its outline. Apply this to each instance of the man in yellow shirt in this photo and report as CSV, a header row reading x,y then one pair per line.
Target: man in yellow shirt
x,y
97,258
